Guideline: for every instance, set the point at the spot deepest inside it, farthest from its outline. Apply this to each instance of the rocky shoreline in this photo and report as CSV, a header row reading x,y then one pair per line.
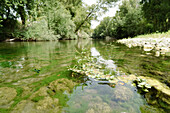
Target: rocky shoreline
x,y
160,46
94,66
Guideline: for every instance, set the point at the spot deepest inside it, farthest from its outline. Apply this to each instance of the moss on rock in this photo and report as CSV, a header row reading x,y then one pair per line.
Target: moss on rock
x,y
7,94
157,85
148,109
62,85
47,105
122,93
98,108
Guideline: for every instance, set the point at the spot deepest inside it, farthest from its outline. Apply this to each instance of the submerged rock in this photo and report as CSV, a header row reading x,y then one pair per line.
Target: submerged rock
x,y
62,85
39,102
122,93
7,94
92,91
98,108
26,90
42,92
27,81
157,85
148,109
47,105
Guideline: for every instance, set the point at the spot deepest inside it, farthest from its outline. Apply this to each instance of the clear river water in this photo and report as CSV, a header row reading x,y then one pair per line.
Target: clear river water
x,y
34,78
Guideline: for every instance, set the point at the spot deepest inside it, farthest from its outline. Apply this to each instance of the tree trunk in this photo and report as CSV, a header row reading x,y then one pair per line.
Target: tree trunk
x,y
83,21
21,11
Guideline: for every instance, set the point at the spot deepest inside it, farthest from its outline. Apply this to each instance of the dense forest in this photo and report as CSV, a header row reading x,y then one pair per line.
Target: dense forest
x,y
136,17
70,19
48,19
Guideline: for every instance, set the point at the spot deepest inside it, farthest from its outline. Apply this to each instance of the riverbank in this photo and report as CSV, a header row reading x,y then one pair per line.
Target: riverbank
x,y
159,43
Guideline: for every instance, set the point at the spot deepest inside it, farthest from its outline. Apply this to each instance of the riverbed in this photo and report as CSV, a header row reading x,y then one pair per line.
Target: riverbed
x,y
34,78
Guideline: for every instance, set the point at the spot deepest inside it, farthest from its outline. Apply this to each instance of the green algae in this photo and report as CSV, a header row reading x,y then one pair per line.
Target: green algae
x,y
25,80
81,68
53,64
135,61
37,98
148,109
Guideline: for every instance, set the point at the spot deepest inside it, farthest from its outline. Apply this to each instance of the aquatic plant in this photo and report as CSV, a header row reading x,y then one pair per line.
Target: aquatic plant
x,y
142,84
94,66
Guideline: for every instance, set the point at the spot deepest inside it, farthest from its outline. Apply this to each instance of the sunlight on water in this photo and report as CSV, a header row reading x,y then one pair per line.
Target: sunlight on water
x,y
35,77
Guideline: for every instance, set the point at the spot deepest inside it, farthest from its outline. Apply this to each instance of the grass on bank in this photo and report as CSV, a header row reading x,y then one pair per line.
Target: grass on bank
x,y
155,35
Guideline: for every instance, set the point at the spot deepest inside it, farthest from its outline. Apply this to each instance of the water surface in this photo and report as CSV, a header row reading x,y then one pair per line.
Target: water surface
x,y
28,66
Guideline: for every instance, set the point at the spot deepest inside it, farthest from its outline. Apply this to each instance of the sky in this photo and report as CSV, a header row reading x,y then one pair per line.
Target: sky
x,y
111,13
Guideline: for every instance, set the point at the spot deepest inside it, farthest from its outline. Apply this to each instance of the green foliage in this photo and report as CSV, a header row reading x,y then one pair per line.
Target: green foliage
x,y
157,13
49,19
17,8
0,21
125,23
38,30
7,28
104,29
95,10
63,25
134,18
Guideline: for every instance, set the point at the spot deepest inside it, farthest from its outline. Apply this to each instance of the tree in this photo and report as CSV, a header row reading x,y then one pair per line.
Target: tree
x,y
157,13
13,9
100,7
127,22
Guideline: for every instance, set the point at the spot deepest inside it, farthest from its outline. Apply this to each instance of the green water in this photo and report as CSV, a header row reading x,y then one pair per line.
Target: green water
x,y
28,67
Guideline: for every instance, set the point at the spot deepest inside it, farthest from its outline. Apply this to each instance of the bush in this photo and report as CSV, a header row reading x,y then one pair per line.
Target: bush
x,y
38,30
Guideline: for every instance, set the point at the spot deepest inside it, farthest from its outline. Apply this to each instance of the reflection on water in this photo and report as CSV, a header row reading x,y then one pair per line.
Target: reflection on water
x,y
25,67
109,64
18,60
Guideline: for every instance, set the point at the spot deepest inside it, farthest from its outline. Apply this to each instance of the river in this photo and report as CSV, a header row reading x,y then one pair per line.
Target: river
x,y
34,78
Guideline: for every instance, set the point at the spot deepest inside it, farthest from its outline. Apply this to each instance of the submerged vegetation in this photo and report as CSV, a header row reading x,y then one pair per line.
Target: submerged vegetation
x,y
38,79
94,66
84,76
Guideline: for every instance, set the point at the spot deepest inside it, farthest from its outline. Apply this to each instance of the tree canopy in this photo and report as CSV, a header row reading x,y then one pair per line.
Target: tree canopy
x,y
70,19
135,17
56,18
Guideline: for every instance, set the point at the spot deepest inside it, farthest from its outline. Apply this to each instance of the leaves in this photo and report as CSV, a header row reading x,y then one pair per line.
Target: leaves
x,y
134,18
